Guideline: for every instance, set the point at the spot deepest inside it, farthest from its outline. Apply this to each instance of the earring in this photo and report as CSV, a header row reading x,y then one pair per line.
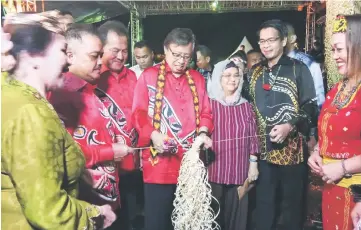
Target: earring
x,y
36,67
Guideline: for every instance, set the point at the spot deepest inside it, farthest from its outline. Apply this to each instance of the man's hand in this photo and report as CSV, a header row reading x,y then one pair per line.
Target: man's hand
x,y
158,140
206,140
356,216
279,133
120,151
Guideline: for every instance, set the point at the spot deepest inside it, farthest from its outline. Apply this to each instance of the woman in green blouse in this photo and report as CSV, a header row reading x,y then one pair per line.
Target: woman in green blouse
x,y
41,165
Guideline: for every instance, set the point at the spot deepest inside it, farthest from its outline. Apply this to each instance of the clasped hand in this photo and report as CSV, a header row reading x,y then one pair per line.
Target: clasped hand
x,y
330,173
279,133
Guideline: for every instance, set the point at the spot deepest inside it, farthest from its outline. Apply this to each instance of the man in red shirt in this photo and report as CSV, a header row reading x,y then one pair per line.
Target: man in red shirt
x,y
170,109
116,90
87,119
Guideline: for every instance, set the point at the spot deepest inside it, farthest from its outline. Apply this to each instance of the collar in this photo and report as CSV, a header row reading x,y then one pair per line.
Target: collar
x,y
168,70
292,54
105,70
75,83
205,70
284,60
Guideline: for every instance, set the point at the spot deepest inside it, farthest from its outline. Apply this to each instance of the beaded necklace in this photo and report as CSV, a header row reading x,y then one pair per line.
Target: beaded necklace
x,y
340,101
159,103
272,79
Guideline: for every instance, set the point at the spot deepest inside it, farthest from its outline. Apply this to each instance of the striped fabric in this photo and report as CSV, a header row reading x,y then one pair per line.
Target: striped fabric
x,y
232,154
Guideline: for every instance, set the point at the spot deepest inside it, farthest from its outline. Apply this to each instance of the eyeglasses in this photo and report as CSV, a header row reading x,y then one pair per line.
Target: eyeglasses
x,y
268,41
178,56
115,51
236,76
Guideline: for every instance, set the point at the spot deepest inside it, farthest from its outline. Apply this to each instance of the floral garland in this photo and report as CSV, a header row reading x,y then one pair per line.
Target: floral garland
x,y
159,104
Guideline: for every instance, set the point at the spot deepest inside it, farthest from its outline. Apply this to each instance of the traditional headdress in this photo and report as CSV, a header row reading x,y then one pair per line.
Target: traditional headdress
x,y
340,24
49,20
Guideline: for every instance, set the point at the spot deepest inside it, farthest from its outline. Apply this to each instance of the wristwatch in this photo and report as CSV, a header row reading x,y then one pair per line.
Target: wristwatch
x,y
346,174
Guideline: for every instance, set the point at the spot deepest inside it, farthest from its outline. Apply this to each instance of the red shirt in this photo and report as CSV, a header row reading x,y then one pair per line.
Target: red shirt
x,y
117,92
340,133
88,121
178,119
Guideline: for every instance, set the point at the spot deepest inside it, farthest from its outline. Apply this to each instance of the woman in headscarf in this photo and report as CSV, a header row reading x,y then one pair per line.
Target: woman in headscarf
x,y
41,165
235,143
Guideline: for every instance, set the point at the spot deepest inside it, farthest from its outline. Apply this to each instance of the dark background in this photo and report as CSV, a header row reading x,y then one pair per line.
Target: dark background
x,y
222,33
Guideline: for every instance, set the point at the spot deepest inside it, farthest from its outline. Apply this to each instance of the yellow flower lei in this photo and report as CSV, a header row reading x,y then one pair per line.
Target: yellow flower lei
x,y
159,104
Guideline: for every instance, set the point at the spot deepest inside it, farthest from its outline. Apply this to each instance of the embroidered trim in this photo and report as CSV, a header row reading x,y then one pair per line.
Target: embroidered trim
x,y
159,104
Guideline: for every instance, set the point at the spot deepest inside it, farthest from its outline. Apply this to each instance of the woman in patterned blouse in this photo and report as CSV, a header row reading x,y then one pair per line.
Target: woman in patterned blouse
x,y
41,165
235,143
337,157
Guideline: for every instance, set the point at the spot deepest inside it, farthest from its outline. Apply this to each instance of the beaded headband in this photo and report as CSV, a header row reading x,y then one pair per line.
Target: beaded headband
x,y
339,25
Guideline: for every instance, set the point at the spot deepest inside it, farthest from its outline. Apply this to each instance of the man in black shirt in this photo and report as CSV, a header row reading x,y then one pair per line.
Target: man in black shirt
x,y
284,100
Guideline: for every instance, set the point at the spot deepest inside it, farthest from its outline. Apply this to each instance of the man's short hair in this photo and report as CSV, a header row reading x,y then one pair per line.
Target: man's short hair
x,y
65,12
142,44
180,37
204,50
254,52
77,31
277,25
114,26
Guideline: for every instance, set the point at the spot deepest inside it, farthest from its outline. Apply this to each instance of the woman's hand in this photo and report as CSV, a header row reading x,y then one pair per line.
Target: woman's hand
x,y
253,171
108,215
356,216
332,172
315,162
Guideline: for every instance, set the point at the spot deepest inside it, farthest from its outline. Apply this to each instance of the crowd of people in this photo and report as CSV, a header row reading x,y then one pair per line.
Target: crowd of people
x,y
88,143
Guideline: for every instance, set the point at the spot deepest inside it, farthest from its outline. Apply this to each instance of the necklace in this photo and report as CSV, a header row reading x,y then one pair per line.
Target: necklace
x,y
159,104
272,79
342,99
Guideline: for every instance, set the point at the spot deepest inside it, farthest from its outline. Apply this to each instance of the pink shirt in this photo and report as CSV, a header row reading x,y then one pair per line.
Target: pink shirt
x,y
234,139
178,119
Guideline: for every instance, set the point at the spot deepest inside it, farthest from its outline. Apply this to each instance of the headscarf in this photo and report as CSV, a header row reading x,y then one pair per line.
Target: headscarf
x,y
214,87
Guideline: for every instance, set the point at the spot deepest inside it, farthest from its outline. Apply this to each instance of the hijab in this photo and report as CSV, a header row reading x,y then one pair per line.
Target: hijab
x,y
214,87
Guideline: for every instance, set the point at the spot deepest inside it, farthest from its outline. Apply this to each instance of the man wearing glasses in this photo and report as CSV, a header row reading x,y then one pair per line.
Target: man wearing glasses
x,y
284,99
170,109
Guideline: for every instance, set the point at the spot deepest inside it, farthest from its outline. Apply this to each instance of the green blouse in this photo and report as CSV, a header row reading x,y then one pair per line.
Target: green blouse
x,y
41,165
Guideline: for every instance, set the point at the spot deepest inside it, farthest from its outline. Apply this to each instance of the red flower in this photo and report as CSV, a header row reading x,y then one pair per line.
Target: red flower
x,y
267,87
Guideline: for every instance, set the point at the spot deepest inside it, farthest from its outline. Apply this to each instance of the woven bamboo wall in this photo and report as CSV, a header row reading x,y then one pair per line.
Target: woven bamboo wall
x,y
333,8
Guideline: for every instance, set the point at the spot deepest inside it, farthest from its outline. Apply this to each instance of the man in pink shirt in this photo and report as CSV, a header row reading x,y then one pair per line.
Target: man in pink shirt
x,y
116,90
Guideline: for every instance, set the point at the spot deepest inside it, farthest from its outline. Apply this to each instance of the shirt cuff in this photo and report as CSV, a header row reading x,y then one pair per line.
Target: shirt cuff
x,y
207,123
106,153
144,135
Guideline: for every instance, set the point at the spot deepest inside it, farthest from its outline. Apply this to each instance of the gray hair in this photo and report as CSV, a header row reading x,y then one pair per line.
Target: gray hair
x,y
180,37
77,31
